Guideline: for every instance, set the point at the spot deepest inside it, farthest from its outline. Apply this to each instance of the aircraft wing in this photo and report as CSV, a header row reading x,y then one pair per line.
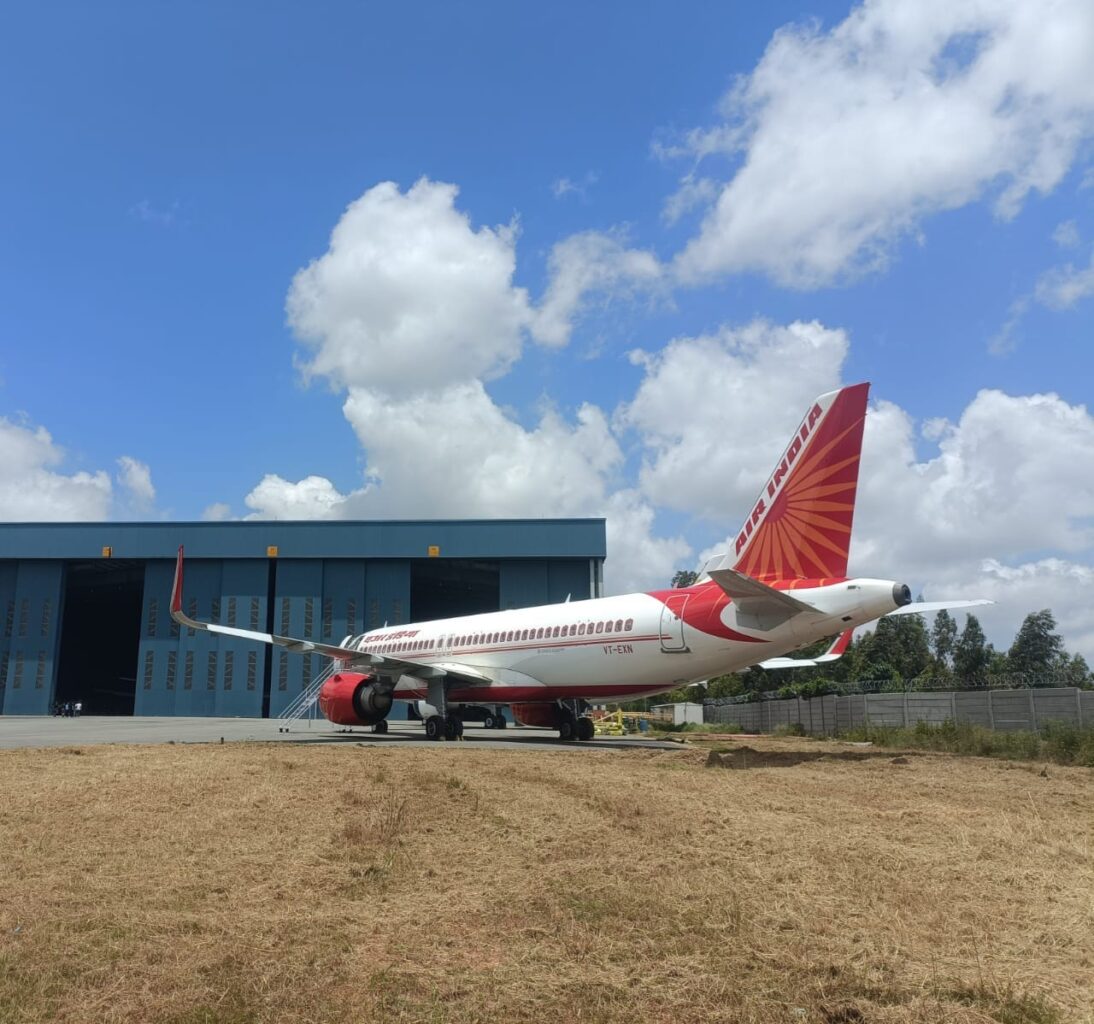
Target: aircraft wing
x,y
916,607
381,664
839,646
758,605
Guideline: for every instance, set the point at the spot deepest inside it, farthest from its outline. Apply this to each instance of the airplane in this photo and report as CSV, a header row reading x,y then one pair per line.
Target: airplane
x,y
782,587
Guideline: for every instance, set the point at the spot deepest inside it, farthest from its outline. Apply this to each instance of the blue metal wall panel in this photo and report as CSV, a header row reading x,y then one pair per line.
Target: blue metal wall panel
x,y
387,593
32,646
174,672
297,610
242,662
522,584
8,574
568,579
159,645
198,651
543,581
344,605
328,600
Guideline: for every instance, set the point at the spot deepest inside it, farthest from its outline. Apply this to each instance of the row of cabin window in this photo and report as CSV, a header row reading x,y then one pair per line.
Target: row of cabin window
x,y
515,636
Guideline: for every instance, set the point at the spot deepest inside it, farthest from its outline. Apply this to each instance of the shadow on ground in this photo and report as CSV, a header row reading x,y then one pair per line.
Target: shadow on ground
x,y
508,739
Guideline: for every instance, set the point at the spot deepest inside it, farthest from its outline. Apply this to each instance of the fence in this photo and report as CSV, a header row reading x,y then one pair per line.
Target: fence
x,y
1005,710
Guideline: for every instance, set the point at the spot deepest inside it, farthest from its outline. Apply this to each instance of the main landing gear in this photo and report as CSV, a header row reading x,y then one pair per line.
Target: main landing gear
x,y
443,727
573,723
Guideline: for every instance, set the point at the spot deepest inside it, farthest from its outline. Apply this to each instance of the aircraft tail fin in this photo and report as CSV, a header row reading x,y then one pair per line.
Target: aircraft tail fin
x,y
800,526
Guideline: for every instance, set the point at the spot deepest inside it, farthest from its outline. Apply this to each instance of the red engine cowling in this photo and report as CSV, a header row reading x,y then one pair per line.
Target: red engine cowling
x,y
545,716
350,698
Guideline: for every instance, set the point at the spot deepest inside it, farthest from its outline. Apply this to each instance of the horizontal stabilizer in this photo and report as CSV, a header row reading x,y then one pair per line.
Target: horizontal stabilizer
x,y
837,650
758,605
925,607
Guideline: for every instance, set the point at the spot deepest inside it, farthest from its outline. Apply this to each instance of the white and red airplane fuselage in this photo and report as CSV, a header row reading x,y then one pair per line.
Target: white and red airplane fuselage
x,y
612,648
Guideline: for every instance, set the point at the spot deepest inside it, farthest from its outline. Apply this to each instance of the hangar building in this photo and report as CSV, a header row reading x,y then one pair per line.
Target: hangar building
x,y
86,605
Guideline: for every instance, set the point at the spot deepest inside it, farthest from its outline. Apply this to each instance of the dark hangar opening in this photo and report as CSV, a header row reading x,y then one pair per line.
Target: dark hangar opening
x,y
100,636
442,588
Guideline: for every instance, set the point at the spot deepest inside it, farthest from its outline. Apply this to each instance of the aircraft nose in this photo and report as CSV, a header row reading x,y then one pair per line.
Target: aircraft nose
x,y
902,594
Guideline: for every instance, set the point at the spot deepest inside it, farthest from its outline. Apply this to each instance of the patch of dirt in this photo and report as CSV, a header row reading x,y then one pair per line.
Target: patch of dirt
x,y
750,757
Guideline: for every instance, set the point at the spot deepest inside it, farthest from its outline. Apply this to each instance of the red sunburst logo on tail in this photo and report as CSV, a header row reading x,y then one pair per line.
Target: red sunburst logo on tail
x,y
801,524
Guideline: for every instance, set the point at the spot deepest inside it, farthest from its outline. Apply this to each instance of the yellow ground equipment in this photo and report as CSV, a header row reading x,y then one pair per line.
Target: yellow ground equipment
x,y
620,723
610,723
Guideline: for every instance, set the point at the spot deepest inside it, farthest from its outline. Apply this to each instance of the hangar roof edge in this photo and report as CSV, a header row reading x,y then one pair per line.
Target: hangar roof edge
x,y
399,538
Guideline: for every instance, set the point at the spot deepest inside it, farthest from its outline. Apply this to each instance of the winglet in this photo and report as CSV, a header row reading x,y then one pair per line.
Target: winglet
x,y
176,589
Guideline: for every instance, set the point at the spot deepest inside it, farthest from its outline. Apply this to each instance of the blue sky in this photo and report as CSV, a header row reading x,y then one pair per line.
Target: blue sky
x,y
766,200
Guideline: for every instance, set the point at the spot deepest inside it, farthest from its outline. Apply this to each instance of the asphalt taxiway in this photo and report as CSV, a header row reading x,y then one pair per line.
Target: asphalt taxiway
x,y
44,731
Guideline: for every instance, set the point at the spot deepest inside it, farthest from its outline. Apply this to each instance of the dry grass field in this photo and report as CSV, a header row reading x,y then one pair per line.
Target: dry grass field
x,y
255,883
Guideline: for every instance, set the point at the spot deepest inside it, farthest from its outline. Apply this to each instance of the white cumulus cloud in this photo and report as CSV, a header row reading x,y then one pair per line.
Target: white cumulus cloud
x,y
314,497
136,480
1002,511
848,139
584,265
1066,286
32,488
714,412
218,512
409,295
1007,484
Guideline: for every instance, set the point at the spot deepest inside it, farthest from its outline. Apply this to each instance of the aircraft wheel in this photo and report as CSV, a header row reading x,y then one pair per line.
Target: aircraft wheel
x,y
567,730
490,722
585,729
452,728
380,727
503,722
434,727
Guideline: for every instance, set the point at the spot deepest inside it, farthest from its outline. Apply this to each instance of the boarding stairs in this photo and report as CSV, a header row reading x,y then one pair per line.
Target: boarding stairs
x,y
305,702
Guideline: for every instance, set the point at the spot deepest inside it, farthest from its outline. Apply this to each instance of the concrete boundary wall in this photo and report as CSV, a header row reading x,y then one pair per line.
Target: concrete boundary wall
x,y
1005,710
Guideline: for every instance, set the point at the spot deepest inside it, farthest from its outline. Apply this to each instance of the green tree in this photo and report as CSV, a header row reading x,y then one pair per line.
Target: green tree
x,y
943,637
1074,671
1037,648
684,578
730,685
972,654
899,648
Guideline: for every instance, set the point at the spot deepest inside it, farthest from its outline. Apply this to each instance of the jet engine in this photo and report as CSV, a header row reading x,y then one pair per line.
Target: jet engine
x,y
350,698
